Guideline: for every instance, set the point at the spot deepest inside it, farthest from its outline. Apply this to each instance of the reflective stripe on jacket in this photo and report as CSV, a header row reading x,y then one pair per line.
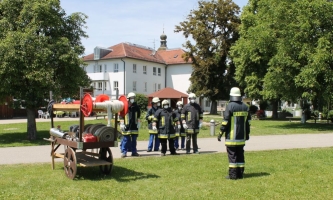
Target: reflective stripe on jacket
x,y
150,118
165,120
131,120
236,119
192,114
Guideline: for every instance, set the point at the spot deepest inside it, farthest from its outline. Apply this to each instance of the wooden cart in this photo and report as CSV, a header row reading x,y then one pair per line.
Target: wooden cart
x,y
77,152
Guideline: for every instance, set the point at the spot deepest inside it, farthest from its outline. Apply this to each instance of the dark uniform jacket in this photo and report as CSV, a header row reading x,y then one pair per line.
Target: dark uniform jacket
x,y
192,114
131,119
165,120
236,119
150,117
179,131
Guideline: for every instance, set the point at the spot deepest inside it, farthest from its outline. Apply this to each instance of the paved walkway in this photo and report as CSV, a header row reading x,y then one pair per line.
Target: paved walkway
x,y
41,154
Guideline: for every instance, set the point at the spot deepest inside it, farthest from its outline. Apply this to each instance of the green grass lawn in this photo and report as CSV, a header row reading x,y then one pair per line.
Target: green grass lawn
x,y
282,174
12,135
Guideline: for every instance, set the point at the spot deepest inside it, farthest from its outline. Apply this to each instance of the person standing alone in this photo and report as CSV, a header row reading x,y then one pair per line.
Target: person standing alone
x,y
236,126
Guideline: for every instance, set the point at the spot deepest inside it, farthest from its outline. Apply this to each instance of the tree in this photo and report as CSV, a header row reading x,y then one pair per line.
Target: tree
x,y
142,101
282,49
39,52
214,28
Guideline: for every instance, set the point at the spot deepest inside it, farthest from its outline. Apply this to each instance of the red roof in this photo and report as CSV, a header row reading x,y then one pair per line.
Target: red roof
x,y
168,93
128,50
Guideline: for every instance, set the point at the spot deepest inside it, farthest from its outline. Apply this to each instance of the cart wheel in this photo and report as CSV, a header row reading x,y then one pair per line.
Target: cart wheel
x,y
106,154
70,163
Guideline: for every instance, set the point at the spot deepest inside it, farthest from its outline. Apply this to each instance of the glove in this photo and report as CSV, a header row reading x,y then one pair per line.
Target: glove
x,y
219,136
179,126
185,126
139,125
122,126
200,123
154,128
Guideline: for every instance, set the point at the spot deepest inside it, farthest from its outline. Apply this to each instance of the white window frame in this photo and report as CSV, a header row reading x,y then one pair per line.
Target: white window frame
x,y
100,69
115,85
159,86
159,71
134,68
105,68
144,69
207,103
145,86
134,85
115,68
155,87
154,71
99,86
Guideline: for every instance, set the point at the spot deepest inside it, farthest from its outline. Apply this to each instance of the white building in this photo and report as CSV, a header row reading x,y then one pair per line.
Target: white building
x,y
134,68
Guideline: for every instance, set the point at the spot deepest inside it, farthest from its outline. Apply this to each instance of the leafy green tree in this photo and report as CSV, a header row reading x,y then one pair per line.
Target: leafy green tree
x,y
214,29
284,50
40,48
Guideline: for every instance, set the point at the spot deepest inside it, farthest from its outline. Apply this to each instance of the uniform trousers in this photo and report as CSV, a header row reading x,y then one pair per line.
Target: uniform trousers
x,y
236,161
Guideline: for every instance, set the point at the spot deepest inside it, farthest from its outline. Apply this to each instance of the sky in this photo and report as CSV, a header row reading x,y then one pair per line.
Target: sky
x,y
111,22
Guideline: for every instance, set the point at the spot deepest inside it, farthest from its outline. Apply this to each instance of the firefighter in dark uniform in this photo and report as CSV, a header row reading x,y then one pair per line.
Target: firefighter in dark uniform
x,y
153,134
164,120
180,131
191,116
130,126
236,126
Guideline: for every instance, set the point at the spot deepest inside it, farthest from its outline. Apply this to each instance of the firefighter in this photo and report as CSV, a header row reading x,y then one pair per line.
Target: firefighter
x,y
236,126
191,116
153,138
130,126
180,132
164,120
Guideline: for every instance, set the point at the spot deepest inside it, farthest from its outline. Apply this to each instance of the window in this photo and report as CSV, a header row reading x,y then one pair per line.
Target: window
x,y
154,71
115,68
105,68
100,68
105,85
159,86
134,68
144,69
99,85
207,103
155,87
134,85
145,86
115,85
159,71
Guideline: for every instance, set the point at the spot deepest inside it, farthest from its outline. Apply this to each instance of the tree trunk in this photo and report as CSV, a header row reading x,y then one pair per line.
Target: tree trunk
x,y
275,105
213,108
31,125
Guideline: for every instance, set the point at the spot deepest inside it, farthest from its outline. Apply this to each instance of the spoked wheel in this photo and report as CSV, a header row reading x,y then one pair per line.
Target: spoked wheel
x,y
70,163
106,154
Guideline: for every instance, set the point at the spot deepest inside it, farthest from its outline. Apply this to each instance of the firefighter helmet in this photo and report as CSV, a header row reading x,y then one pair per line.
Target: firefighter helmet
x,y
156,100
235,94
192,96
179,103
165,102
131,94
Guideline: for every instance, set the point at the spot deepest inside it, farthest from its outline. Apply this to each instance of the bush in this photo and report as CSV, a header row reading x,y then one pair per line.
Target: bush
x,y
330,115
142,102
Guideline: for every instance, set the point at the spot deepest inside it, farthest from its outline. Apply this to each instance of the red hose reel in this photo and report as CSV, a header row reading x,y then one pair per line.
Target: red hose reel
x,y
88,103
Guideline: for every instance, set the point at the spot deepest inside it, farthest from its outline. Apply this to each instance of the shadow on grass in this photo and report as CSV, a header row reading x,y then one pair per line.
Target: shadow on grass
x,y
310,126
257,174
118,173
9,138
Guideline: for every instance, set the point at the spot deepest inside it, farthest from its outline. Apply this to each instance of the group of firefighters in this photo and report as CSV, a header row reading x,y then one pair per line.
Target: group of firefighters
x,y
166,126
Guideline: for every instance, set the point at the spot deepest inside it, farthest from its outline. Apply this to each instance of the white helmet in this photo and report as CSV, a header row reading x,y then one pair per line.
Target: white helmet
x,y
235,94
156,100
192,96
164,102
131,94
179,103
